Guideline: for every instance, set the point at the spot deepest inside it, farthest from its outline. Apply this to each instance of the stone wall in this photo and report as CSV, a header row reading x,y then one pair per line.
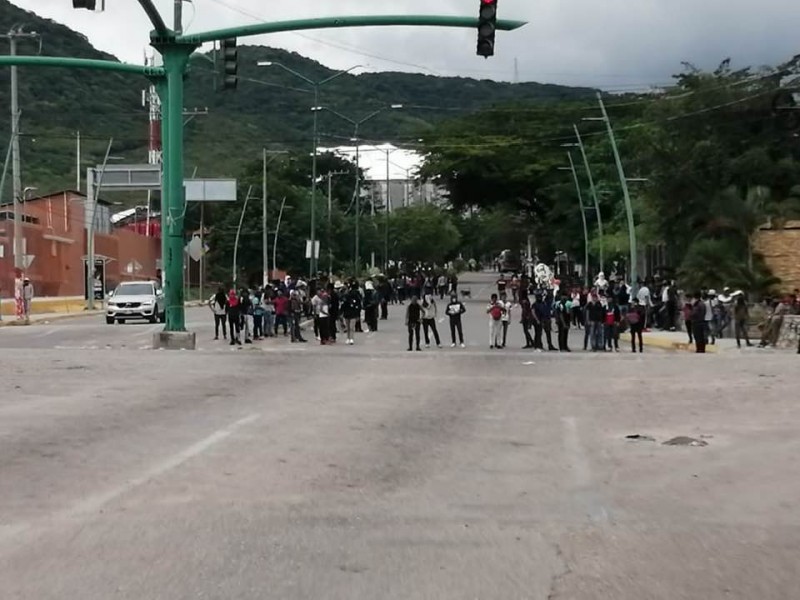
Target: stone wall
x,y
780,248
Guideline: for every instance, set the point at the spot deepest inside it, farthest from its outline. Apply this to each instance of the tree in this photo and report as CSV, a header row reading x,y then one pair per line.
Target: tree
x,y
423,234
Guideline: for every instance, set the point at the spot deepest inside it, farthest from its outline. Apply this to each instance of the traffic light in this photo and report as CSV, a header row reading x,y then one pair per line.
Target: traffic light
x,y
487,27
87,4
230,64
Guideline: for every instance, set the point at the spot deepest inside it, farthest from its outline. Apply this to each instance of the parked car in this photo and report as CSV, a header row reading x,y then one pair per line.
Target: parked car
x,y
509,262
136,300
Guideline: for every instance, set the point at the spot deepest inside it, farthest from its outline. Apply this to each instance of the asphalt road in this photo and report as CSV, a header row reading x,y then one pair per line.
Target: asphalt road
x,y
293,472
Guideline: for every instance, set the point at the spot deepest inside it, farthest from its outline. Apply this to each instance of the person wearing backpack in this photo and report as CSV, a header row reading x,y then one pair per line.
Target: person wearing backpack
x,y
351,310
429,315
218,303
495,311
454,311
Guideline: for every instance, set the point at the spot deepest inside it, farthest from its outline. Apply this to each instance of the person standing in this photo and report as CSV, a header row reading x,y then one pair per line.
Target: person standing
x,y
544,314
612,324
699,323
321,310
281,303
595,316
351,310
27,299
246,311
234,317
218,303
430,313
413,321
370,306
385,292
269,313
334,309
495,310
645,302
563,314
454,311
527,321
258,315
741,313
296,312
506,318
636,318
687,319
441,284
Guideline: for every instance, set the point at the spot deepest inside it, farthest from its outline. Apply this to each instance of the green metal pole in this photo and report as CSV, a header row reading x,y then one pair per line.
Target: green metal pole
x,y
173,209
633,268
594,196
79,63
312,268
583,219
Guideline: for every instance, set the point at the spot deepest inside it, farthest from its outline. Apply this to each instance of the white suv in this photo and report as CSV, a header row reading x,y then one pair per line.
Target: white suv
x,y
136,300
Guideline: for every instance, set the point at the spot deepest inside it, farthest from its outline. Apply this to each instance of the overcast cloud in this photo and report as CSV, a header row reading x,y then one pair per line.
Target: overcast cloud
x,y
613,44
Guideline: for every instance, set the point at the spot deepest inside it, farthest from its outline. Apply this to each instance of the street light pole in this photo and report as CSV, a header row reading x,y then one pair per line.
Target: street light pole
x,y
583,220
594,196
238,233
264,216
94,196
633,268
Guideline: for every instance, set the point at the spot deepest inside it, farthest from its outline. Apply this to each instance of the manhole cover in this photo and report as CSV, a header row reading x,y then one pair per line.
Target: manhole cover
x,y
682,440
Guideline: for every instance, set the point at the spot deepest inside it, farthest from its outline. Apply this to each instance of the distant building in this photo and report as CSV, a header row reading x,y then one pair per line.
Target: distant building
x,y
55,231
779,244
405,188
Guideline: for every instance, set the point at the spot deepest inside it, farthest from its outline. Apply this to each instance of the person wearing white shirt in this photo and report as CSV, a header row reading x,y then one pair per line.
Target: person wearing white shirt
x,y
506,318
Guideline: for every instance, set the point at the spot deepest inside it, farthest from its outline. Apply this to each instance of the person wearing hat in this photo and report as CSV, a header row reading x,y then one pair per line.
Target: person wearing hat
x,y
27,299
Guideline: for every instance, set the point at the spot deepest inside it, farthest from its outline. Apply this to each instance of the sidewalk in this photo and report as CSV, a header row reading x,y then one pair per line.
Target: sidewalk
x,y
11,321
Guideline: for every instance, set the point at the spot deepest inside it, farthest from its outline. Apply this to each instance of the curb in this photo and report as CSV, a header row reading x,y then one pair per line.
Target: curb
x,y
656,342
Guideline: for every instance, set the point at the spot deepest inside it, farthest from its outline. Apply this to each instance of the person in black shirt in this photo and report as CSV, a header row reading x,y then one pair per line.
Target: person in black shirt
x,y
413,322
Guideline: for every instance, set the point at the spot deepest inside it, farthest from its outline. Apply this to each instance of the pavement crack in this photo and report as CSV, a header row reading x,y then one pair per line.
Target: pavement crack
x,y
557,578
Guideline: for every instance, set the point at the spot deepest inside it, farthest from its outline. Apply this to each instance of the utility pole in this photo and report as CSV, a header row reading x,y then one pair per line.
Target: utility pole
x,y
14,35
93,196
583,220
264,221
386,215
78,163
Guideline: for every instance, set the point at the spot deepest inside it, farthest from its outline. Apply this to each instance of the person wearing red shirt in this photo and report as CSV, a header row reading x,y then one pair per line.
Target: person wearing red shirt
x,y
281,311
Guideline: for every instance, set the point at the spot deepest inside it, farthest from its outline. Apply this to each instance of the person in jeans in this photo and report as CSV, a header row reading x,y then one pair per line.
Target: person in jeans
x,y
636,318
258,315
218,303
495,310
454,311
741,314
269,314
595,318
246,315
321,309
563,314
429,315
506,318
413,322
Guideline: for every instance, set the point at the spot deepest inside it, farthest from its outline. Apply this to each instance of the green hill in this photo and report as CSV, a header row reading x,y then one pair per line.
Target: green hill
x,y
269,107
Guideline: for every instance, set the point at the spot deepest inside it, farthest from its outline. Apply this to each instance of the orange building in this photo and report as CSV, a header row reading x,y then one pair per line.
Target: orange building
x,y
55,234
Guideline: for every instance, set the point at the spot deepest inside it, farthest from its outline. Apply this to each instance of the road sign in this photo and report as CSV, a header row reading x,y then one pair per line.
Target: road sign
x,y
27,261
128,177
195,248
316,249
210,190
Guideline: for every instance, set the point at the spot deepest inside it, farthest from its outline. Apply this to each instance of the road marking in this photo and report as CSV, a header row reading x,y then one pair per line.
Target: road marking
x,y
94,503
581,472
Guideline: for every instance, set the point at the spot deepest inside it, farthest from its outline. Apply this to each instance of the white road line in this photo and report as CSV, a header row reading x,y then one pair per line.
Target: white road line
x,y
95,502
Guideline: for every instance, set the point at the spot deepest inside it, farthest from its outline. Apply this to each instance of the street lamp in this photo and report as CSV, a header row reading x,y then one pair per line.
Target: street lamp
x,y
356,125
315,86
264,193
583,218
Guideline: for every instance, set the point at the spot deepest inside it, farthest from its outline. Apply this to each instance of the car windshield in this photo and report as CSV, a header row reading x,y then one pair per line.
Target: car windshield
x,y
135,289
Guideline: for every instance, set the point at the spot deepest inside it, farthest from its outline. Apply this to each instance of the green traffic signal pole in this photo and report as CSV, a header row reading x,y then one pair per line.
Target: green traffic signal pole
x,y
176,50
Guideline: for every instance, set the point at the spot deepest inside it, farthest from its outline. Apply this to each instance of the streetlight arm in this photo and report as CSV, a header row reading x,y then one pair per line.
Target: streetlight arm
x,y
155,17
289,70
339,74
340,22
338,114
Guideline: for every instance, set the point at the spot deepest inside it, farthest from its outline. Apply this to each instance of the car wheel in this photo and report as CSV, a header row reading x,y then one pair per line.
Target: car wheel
x,y
121,321
163,317
109,320
154,318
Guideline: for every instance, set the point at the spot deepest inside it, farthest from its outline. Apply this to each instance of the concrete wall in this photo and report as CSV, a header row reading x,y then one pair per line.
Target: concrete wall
x,y
780,248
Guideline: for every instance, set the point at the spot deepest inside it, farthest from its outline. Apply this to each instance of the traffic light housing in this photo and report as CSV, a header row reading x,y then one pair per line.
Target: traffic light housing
x,y
87,4
487,27
230,64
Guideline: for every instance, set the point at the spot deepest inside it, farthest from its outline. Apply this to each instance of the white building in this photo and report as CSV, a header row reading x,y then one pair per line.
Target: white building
x,y
398,166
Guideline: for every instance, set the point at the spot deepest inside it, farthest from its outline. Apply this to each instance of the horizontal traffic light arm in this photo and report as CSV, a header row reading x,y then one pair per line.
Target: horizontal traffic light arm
x,y
79,63
339,22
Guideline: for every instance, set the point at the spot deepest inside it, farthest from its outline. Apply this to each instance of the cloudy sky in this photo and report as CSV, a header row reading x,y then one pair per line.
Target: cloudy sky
x,y
613,44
